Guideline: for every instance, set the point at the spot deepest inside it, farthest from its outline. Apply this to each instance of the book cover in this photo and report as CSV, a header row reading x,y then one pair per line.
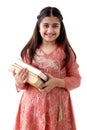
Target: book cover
x,y
35,76
32,69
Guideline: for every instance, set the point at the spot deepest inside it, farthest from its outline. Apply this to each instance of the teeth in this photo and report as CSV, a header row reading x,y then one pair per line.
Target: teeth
x,y
50,35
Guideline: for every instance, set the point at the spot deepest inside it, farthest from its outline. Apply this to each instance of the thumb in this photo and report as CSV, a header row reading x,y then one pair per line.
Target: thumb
x,y
49,75
14,72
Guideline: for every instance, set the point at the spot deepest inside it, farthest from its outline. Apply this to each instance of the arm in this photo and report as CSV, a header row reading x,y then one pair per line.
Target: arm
x,y
73,78
21,78
70,81
19,88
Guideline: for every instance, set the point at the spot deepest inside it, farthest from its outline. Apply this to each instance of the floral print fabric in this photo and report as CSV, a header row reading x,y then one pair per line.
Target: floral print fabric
x,y
53,110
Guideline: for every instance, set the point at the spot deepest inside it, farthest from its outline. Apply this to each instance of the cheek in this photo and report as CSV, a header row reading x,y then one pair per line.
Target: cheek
x,y
42,31
58,32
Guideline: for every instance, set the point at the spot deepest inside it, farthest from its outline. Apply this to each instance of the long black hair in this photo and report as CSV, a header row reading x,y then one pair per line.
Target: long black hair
x,y
36,39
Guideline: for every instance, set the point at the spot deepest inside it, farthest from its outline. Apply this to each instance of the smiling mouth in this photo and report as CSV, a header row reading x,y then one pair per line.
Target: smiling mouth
x,y
50,35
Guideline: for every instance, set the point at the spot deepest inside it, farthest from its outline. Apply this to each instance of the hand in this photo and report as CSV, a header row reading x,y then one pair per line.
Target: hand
x,y
50,84
21,77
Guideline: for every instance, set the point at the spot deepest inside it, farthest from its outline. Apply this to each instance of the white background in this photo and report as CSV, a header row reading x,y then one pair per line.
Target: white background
x,y
17,21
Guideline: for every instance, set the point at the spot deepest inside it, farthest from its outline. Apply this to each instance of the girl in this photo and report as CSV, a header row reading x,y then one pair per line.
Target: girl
x,y
49,50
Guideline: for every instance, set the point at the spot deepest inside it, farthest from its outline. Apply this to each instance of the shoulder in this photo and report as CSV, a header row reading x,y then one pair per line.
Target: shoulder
x,y
60,51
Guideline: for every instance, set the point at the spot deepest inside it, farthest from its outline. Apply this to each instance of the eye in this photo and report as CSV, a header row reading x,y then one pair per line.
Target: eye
x,y
45,25
56,25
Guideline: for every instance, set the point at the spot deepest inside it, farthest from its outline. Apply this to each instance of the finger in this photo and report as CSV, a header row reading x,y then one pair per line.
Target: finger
x,y
45,84
25,80
42,86
14,72
23,74
49,76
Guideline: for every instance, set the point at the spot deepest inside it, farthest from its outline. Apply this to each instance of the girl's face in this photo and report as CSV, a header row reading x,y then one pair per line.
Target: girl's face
x,y
50,29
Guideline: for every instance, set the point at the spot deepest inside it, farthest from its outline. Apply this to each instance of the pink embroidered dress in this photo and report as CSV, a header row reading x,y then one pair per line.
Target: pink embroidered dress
x,y
53,110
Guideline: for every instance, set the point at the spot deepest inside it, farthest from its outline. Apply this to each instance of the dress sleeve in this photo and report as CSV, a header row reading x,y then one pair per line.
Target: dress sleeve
x,y
73,78
26,85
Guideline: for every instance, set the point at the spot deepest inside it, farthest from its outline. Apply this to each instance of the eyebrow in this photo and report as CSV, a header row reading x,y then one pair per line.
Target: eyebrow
x,y
53,23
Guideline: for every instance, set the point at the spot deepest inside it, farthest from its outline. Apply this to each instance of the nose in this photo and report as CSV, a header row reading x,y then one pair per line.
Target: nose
x,y
50,30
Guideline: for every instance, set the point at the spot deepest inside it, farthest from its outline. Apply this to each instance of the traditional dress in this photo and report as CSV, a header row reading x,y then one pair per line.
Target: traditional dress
x,y
53,110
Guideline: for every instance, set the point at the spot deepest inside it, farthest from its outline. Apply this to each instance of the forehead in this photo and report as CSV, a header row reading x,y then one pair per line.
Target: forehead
x,y
50,20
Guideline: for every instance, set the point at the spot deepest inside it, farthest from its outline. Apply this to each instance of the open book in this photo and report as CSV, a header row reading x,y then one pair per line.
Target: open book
x,y
35,78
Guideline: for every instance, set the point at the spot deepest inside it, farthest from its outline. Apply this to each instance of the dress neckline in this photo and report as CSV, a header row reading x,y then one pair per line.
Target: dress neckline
x,y
48,54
